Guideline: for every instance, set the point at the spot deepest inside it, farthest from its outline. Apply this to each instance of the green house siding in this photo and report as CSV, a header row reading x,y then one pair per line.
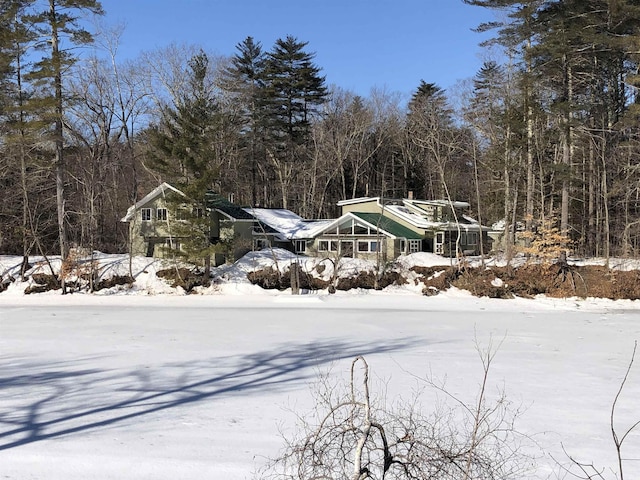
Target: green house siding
x,y
388,225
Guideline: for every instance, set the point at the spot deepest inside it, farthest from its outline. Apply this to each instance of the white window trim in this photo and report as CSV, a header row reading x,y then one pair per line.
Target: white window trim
x,y
330,244
148,215
369,244
301,246
162,214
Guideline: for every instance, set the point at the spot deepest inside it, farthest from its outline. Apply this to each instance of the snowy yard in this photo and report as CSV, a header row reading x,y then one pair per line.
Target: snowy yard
x,y
193,387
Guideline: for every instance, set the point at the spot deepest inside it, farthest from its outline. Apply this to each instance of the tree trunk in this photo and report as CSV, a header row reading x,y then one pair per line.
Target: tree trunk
x,y
567,151
58,134
529,121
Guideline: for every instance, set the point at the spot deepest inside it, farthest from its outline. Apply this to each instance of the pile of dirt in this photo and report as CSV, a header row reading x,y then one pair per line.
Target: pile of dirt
x,y
527,281
552,280
270,278
186,278
114,281
43,283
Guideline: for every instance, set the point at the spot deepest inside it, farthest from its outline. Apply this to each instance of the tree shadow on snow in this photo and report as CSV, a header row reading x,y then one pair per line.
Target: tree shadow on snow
x,y
51,401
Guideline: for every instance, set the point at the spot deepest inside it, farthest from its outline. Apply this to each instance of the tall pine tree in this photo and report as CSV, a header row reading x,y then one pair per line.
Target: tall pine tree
x,y
58,23
294,92
245,79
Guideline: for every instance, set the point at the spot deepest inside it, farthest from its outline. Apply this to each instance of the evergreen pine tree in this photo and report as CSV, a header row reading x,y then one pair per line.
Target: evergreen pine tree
x,y
245,79
294,92
183,150
58,19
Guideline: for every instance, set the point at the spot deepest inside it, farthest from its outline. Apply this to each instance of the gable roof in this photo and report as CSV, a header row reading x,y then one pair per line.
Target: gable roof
x,y
379,221
160,191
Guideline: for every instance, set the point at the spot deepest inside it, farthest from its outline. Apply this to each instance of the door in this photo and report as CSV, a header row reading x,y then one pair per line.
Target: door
x,y
439,243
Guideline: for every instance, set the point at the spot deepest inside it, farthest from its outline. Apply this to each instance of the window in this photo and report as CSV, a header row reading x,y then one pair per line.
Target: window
x,y
365,246
327,246
360,230
260,243
415,246
346,248
181,214
346,229
161,214
197,212
146,214
403,246
472,238
172,243
301,246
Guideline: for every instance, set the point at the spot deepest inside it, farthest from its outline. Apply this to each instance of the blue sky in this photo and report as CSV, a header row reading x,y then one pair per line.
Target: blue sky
x,y
359,44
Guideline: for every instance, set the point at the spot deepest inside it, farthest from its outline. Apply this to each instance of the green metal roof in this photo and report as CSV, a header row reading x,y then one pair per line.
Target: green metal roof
x,y
220,203
388,225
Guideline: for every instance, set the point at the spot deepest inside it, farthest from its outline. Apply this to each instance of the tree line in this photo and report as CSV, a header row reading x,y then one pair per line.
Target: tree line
x,y
546,131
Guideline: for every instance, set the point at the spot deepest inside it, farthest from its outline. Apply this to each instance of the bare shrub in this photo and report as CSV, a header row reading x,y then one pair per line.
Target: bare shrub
x,y
351,435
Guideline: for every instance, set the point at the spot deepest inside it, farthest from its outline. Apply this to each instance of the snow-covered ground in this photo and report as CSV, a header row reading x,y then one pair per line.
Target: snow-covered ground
x,y
141,385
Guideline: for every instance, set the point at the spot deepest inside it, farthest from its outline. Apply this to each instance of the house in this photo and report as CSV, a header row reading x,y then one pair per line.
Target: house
x,y
369,228
230,225
153,228
365,235
438,226
150,221
281,228
369,236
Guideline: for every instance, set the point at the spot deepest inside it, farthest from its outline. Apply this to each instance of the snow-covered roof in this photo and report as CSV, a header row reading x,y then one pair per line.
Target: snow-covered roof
x,y
159,191
436,203
287,224
352,201
411,216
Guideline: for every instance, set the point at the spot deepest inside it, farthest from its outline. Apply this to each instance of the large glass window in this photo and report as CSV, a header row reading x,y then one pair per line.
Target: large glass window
x,y
346,248
346,229
360,230
365,246
327,246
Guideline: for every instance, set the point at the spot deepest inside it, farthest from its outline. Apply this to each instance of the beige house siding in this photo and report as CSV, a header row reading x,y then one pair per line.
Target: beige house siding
x,y
148,235
364,207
